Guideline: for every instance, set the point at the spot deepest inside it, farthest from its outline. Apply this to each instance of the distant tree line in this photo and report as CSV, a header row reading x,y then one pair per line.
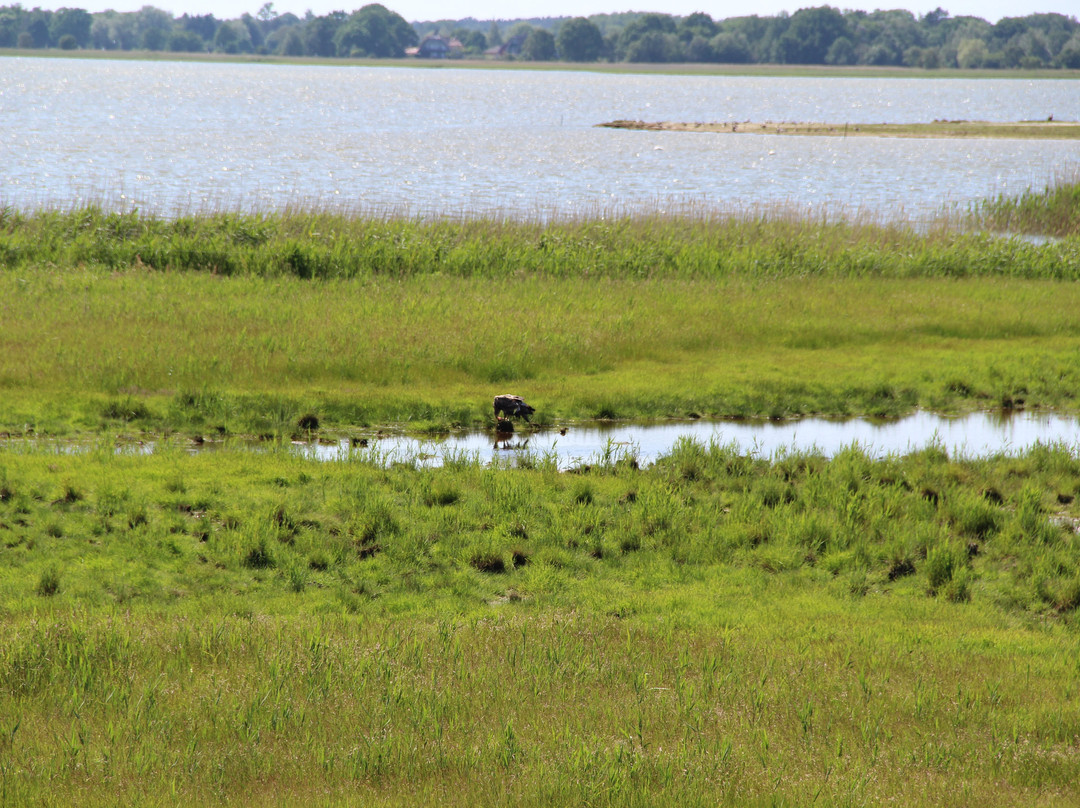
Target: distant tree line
x,y
815,36
372,31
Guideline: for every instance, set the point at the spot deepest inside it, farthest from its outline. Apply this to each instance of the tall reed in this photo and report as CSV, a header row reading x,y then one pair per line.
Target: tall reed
x,y
314,244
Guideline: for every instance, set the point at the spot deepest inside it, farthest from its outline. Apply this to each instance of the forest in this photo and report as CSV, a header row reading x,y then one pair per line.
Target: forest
x,y
812,36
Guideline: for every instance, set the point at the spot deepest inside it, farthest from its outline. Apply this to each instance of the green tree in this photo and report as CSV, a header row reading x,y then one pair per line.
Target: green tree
x,y
10,25
641,27
810,34
699,49
759,35
255,32
232,37
112,30
182,41
971,53
931,58
841,52
880,54
697,24
730,48
149,18
292,44
38,28
73,22
1069,57
319,35
474,43
655,47
579,40
1011,55
204,25
896,31
539,46
154,39
374,31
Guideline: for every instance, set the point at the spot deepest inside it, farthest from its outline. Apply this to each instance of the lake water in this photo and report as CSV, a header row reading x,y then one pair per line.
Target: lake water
x,y
974,435
169,137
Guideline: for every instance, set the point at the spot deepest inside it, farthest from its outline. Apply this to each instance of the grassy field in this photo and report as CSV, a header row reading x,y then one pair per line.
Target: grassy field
x,y
249,626
242,324
717,629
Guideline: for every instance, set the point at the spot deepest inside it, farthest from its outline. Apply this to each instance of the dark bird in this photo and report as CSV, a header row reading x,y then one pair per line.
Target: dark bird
x,y
512,406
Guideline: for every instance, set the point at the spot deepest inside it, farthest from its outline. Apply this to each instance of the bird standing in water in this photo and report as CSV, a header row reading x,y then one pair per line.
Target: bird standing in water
x,y
511,406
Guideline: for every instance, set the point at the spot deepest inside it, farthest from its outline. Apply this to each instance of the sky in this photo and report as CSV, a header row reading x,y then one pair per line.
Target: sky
x,y
420,10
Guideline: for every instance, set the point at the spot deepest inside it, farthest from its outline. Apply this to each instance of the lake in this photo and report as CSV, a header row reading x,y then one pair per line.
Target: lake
x,y
171,137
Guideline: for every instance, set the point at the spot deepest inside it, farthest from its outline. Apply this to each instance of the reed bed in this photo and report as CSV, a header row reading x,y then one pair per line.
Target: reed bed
x,y
719,628
326,245
245,323
1054,211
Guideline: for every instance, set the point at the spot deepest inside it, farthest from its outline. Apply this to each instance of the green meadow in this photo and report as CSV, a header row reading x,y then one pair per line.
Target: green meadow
x,y
714,629
243,324
248,626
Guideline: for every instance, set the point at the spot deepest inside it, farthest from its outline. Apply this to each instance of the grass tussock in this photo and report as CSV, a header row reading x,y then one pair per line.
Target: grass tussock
x,y
719,628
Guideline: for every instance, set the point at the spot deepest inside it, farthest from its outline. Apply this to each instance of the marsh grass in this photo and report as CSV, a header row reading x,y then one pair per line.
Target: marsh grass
x,y
326,244
1052,211
752,629
211,324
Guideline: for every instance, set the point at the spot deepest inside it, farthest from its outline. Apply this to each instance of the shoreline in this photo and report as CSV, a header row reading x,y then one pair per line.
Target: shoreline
x,y
625,68
1048,129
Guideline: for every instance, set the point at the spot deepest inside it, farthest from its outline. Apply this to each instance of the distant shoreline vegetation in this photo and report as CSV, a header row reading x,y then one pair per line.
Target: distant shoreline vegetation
x,y
811,36
1048,129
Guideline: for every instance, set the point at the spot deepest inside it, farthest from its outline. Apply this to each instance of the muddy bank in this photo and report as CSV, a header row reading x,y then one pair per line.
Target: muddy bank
x,y
1049,129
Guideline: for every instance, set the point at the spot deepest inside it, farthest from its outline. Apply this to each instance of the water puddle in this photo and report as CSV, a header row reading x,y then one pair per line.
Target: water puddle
x,y
967,436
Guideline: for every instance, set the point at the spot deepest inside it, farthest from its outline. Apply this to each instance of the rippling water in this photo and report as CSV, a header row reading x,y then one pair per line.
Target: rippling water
x,y
178,136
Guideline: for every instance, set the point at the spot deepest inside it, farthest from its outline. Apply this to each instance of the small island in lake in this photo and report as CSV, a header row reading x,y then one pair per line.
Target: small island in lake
x,y
1049,129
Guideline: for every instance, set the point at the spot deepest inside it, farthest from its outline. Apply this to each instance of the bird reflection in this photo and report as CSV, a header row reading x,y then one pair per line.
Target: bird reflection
x,y
509,443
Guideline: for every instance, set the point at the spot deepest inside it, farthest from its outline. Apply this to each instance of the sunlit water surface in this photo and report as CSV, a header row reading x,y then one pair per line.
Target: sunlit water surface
x,y
170,137
970,436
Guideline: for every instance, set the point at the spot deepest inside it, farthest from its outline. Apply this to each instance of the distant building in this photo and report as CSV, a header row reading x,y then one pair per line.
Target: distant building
x,y
436,47
511,47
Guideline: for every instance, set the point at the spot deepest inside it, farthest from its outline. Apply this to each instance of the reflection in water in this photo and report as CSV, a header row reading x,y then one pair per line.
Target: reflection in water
x,y
509,443
973,435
